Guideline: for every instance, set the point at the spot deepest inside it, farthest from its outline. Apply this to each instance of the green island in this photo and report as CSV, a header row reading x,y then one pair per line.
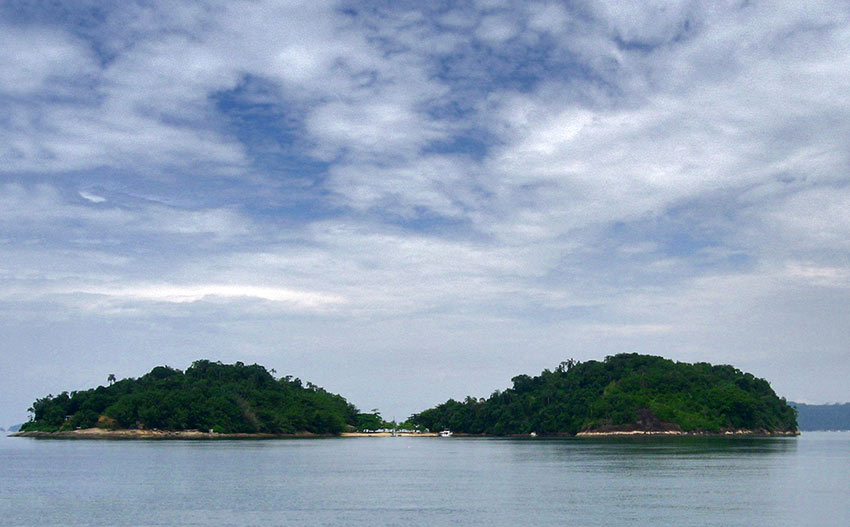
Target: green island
x,y
209,398
624,394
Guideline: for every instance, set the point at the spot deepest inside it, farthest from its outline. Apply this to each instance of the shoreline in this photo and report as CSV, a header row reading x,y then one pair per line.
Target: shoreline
x,y
680,433
389,434
98,433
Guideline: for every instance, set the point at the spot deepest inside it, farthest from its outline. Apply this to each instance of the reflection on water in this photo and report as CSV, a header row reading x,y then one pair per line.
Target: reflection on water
x,y
675,446
419,481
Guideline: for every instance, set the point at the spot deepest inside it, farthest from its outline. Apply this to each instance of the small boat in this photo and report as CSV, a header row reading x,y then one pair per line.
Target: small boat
x,y
446,433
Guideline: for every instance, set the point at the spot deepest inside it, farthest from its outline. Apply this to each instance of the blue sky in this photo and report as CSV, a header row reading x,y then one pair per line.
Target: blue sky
x,y
404,203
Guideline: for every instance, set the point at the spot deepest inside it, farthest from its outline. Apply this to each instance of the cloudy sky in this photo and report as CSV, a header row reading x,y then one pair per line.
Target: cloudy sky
x,y
405,204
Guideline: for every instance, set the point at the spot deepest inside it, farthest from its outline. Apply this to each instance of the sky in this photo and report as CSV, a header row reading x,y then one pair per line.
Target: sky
x,y
404,202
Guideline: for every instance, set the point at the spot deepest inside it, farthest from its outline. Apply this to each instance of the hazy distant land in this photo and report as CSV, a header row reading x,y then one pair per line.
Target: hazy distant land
x,y
812,417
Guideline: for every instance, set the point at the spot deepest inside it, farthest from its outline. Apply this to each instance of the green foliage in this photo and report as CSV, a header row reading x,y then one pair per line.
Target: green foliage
x,y
228,398
626,391
371,421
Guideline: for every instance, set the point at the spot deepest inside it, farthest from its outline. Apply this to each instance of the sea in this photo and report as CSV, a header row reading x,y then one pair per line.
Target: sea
x,y
676,481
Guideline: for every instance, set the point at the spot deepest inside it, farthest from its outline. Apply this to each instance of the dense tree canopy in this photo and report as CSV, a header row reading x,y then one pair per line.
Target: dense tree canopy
x,y
227,398
626,391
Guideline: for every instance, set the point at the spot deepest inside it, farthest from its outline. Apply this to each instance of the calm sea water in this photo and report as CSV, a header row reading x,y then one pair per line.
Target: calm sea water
x,y
428,481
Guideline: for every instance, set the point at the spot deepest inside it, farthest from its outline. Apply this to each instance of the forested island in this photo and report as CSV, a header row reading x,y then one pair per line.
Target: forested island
x,y
208,397
625,393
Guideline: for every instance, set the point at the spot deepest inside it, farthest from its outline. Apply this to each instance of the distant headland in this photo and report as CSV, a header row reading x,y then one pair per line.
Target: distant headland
x,y
823,416
626,394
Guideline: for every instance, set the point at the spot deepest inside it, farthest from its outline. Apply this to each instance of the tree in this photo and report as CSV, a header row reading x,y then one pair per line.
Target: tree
x,y
566,365
370,421
110,379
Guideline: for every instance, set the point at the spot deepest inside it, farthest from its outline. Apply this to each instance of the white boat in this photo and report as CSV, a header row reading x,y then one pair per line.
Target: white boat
x,y
446,433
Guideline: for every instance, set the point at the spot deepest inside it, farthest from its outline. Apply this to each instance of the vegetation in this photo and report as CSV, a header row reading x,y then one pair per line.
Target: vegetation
x,y
823,416
227,398
370,422
625,392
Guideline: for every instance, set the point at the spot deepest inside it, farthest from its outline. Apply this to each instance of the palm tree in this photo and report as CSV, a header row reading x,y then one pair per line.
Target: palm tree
x,y
110,379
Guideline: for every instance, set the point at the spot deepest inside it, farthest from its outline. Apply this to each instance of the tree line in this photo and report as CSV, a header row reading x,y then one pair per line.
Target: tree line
x,y
625,391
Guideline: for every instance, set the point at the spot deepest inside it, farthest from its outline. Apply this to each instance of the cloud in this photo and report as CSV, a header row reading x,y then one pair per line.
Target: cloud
x,y
627,329
94,198
371,130
496,29
187,294
813,219
42,61
648,24
429,185
44,208
818,275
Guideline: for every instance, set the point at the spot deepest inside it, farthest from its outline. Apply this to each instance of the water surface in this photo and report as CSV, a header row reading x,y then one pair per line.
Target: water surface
x,y
428,481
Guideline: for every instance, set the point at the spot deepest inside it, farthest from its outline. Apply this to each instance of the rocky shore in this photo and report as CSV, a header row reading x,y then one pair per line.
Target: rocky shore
x,y
100,433
724,433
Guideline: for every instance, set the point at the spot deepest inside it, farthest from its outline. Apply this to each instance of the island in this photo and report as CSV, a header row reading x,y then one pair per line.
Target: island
x,y
626,394
209,399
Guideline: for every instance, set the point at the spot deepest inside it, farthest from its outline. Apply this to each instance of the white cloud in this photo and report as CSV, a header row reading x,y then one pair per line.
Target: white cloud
x,y
819,275
442,185
603,330
38,59
94,198
550,16
371,130
186,294
44,204
648,23
816,218
496,29
639,184
44,207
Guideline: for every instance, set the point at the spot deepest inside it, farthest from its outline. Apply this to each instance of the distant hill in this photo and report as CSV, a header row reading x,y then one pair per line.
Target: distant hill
x,y
626,392
823,416
226,398
15,428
